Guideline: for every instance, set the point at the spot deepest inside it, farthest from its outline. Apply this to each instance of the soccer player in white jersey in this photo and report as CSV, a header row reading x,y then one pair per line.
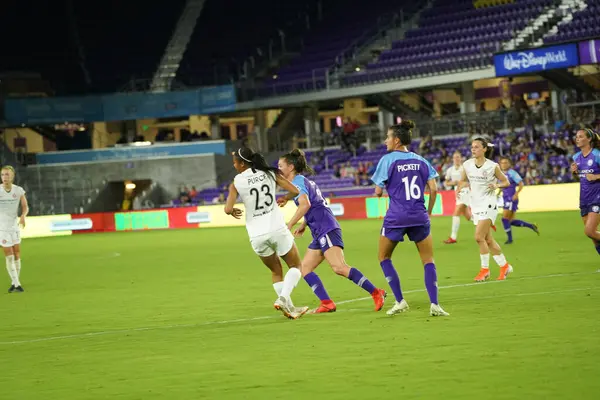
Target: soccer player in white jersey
x,y
256,183
11,196
485,177
453,176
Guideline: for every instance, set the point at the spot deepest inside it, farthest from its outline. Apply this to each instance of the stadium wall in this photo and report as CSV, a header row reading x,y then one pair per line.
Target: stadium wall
x,y
562,197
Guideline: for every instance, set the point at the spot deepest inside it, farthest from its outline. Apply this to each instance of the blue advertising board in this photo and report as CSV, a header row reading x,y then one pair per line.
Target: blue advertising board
x,y
133,153
120,106
536,60
51,110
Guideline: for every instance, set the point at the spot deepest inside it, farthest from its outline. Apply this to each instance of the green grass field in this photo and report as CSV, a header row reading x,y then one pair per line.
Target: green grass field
x,y
188,315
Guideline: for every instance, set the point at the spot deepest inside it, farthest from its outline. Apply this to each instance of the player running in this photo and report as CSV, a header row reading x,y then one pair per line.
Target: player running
x,y
11,196
510,200
586,167
453,177
256,183
483,176
327,241
405,175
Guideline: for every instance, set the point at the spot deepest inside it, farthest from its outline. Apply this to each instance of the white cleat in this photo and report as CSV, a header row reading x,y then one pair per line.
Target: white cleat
x,y
286,307
301,310
398,308
437,311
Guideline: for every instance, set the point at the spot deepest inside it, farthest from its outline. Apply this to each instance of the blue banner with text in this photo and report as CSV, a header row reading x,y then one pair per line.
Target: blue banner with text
x,y
536,60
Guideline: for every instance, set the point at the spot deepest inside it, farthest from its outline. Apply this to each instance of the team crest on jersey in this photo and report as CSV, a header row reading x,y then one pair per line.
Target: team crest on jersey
x,y
14,195
323,241
590,162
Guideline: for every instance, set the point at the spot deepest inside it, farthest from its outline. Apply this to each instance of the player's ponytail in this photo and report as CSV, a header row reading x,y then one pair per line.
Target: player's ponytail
x,y
256,161
489,147
403,131
297,158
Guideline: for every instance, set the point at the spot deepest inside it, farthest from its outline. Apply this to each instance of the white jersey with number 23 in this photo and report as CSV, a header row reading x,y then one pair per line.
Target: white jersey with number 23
x,y
257,190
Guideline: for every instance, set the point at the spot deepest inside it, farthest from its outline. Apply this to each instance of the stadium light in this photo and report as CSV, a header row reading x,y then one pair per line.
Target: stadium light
x,y
130,186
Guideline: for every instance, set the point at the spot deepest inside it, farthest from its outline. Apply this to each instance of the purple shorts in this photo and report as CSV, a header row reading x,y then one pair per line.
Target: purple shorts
x,y
592,208
327,241
511,205
415,233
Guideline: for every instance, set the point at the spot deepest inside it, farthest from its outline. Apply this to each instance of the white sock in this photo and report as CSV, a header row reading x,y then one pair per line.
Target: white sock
x,y
12,271
278,286
18,267
500,260
290,281
455,226
485,260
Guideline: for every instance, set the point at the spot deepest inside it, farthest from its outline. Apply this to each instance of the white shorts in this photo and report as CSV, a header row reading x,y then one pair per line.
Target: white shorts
x,y
464,197
482,215
10,238
280,242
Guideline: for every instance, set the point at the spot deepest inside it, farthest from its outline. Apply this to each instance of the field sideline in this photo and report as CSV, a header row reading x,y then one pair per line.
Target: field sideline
x,y
187,314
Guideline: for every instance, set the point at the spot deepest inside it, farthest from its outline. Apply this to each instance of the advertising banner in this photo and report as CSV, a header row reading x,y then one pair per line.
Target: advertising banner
x,y
536,60
51,110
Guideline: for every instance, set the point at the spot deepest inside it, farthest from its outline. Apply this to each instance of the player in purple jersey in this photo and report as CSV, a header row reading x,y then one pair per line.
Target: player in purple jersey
x,y
405,175
327,241
510,200
586,167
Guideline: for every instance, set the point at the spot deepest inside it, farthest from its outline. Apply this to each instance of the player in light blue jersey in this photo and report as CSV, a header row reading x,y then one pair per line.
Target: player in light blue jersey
x,y
586,167
405,175
327,241
510,200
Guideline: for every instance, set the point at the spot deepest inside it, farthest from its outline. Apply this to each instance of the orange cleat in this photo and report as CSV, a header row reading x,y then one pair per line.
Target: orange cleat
x,y
483,275
450,241
379,298
504,271
325,307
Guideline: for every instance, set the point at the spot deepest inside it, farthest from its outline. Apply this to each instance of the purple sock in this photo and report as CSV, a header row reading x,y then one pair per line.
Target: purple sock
x,y
507,229
431,282
598,247
357,277
521,224
391,276
316,285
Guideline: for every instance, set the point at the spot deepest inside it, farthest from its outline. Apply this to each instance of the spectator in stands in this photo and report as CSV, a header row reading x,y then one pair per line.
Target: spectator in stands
x,y
371,168
193,193
348,171
337,171
348,136
220,199
361,175
184,196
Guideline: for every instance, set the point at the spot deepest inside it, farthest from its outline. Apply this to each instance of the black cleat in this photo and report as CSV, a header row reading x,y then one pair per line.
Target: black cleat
x,y
508,242
11,288
19,289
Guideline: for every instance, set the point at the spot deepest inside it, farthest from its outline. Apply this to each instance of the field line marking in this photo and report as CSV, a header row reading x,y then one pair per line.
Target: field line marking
x,y
233,321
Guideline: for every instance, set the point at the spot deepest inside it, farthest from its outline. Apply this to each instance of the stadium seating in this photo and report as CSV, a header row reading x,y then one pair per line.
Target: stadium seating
x,y
584,24
334,35
452,36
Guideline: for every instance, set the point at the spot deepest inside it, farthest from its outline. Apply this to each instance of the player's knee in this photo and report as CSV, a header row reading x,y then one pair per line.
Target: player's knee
x,y
479,238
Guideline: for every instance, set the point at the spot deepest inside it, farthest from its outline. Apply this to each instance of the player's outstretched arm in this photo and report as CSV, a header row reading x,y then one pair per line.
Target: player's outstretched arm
x,y
292,190
229,205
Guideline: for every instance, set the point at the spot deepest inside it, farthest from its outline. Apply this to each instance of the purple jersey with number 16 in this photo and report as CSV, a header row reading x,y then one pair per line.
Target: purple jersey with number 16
x,y
405,176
